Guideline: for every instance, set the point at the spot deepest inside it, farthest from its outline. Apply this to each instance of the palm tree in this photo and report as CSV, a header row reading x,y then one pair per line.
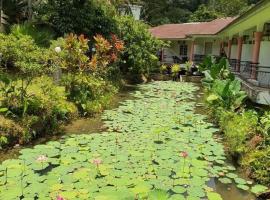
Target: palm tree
x,y
3,17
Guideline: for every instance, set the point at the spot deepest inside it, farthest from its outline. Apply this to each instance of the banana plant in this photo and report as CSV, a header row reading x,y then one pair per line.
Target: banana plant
x,y
214,70
226,94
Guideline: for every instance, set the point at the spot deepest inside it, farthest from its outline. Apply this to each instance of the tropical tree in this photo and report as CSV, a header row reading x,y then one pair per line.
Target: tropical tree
x,y
204,14
87,17
3,17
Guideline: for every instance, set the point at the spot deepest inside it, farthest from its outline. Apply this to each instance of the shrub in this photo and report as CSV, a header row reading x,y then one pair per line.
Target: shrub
x,y
72,55
22,54
238,129
88,92
139,56
163,69
10,132
258,164
74,49
41,35
53,98
80,17
175,70
106,54
44,108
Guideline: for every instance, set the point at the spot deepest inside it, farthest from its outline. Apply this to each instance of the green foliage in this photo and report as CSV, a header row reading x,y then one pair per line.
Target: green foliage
x,y
246,135
79,17
226,94
139,55
72,56
23,54
41,35
163,68
15,10
264,127
127,163
258,163
219,8
214,70
10,132
175,70
165,12
3,20
90,94
227,7
238,129
42,109
204,14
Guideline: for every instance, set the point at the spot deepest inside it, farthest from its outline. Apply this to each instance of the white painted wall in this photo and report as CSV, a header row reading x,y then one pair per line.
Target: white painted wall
x,y
216,49
247,52
199,48
234,52
264,59
171,51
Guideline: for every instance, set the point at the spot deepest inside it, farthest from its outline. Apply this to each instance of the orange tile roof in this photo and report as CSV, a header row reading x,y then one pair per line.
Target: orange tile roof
x,y
181,31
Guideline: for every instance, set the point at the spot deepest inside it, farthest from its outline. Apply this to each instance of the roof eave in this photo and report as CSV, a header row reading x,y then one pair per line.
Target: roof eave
x,y
245,14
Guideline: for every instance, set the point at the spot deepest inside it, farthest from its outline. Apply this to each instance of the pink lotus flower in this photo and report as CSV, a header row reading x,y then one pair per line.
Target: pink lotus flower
x,y
97,161
41,158
184,154
60,198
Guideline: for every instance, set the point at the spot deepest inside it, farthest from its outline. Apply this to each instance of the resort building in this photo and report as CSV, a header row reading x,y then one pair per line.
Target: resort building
x,y
245,40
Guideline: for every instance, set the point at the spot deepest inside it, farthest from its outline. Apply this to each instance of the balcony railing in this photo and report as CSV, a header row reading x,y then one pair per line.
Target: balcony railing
x,y
198,58
246,69
252,71
233,64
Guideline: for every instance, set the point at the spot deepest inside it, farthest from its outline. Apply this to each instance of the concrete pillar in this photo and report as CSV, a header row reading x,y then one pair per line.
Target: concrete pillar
x,y
239,52
229,48
256,53
191,55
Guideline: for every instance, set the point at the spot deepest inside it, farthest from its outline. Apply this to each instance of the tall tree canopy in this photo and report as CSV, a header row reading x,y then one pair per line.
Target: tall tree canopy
x,y
178,11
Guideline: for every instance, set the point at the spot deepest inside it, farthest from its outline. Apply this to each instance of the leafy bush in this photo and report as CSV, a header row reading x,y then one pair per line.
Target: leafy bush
x,y
22,54
175,70
238,128
139,55
89,93
41,35
258,164
73,50
163,69
45,105
80,17
106,54
10,132
71,56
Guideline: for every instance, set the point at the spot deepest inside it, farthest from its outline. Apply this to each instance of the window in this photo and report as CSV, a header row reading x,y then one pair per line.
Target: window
x,y
183,50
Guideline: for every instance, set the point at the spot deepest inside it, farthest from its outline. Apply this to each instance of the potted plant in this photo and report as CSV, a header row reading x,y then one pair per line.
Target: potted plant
x,y
175,71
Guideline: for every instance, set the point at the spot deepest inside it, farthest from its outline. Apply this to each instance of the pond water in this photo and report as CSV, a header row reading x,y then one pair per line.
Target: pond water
x,y
152,146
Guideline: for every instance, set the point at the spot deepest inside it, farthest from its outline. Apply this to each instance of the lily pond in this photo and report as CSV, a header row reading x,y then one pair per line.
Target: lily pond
x,y
156,147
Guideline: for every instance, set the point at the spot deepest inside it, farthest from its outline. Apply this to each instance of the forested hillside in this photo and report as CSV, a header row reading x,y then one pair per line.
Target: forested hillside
x,y
156,12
